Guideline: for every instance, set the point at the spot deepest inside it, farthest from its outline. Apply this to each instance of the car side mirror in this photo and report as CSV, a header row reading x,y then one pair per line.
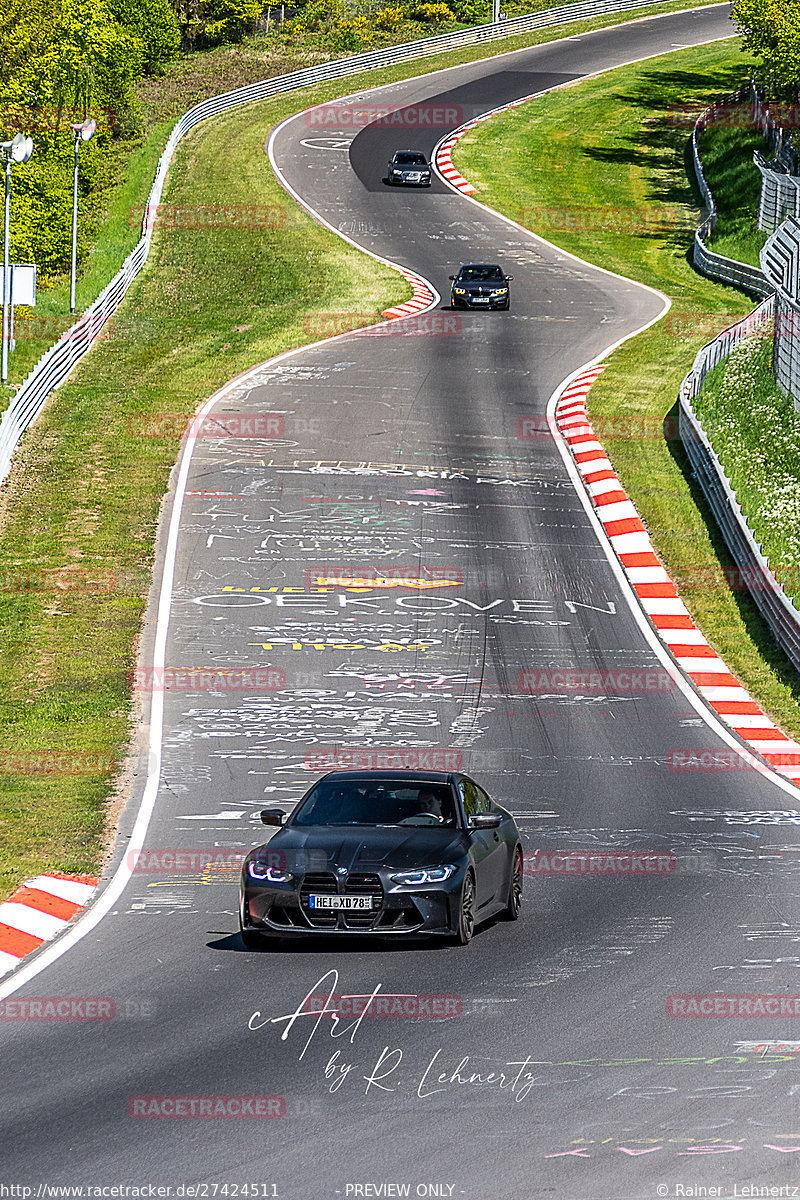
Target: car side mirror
x,y
272,816
451,276
485,821
509,278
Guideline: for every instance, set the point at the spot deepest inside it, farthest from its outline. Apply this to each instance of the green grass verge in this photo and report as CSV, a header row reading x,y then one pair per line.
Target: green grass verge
x,y
754,431
735,182
84,497
607,146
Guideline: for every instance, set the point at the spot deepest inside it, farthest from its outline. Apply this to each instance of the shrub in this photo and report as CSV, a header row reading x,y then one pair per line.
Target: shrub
x,y
389,17
433,14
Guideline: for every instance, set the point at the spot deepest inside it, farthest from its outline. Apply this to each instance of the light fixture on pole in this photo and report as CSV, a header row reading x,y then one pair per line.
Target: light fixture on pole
x,y
83,133
18,150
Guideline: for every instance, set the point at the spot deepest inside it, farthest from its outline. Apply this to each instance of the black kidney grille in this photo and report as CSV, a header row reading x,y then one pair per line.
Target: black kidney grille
x,y
357,884
363,885
324,884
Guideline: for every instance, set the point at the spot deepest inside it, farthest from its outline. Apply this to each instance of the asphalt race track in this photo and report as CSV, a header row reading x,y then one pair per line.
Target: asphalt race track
x,y
557,1071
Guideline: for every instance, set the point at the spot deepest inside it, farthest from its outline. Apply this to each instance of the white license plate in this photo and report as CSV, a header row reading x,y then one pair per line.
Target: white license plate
x,y
357,902
414,178
480,299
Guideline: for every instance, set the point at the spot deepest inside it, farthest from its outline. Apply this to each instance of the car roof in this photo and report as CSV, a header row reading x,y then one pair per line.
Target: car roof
x,y
464,266
400,774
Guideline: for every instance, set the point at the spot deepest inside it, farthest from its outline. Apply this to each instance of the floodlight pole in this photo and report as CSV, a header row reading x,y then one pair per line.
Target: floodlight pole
x,y
84,132
495,11
74,259
6,270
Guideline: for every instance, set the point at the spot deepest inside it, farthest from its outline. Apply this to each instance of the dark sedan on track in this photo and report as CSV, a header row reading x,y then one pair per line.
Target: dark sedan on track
x,y
480,285
410,167
386,854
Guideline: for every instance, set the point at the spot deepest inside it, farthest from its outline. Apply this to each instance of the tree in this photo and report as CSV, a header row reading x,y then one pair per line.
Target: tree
x,y
61,61
154,23
771,30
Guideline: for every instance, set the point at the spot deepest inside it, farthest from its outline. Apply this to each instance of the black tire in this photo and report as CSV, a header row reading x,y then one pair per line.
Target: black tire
x,y
512,909
252,939
466,911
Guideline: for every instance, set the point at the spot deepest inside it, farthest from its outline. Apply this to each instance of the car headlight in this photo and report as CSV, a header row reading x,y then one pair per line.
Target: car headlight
x,y
424,875
460,291
259,869
499,291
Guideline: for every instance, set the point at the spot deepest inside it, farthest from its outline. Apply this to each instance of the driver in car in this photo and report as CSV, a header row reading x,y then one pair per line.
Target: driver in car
x,y
429,804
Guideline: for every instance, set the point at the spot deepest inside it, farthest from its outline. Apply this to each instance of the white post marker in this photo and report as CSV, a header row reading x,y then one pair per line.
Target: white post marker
x,y
19,150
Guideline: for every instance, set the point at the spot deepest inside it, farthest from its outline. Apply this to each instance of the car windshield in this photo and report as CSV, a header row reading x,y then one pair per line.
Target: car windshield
x,y
410,159
381,802
480,273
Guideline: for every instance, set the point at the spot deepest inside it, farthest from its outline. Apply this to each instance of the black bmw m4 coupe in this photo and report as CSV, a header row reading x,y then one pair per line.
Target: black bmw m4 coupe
x,y
383,854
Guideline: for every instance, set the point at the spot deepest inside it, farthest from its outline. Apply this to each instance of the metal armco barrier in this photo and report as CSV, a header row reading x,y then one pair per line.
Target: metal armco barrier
x,y
57,363
780,259
774,605
717,266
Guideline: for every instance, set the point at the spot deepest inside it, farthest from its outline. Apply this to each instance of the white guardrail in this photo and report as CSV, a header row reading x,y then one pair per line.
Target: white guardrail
x,y
753,567
58,362
717,266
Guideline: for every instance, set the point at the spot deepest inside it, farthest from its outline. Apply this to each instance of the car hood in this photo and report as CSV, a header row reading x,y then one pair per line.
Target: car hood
x,y
367,848
473,285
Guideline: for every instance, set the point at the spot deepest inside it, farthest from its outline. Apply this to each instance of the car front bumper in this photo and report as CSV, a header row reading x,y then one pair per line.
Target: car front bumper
x,y
285,912
479,302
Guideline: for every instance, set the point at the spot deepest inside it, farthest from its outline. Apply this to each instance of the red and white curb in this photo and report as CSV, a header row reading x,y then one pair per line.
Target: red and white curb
x,y
442,156
39,910
657,594
422,298
444,162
